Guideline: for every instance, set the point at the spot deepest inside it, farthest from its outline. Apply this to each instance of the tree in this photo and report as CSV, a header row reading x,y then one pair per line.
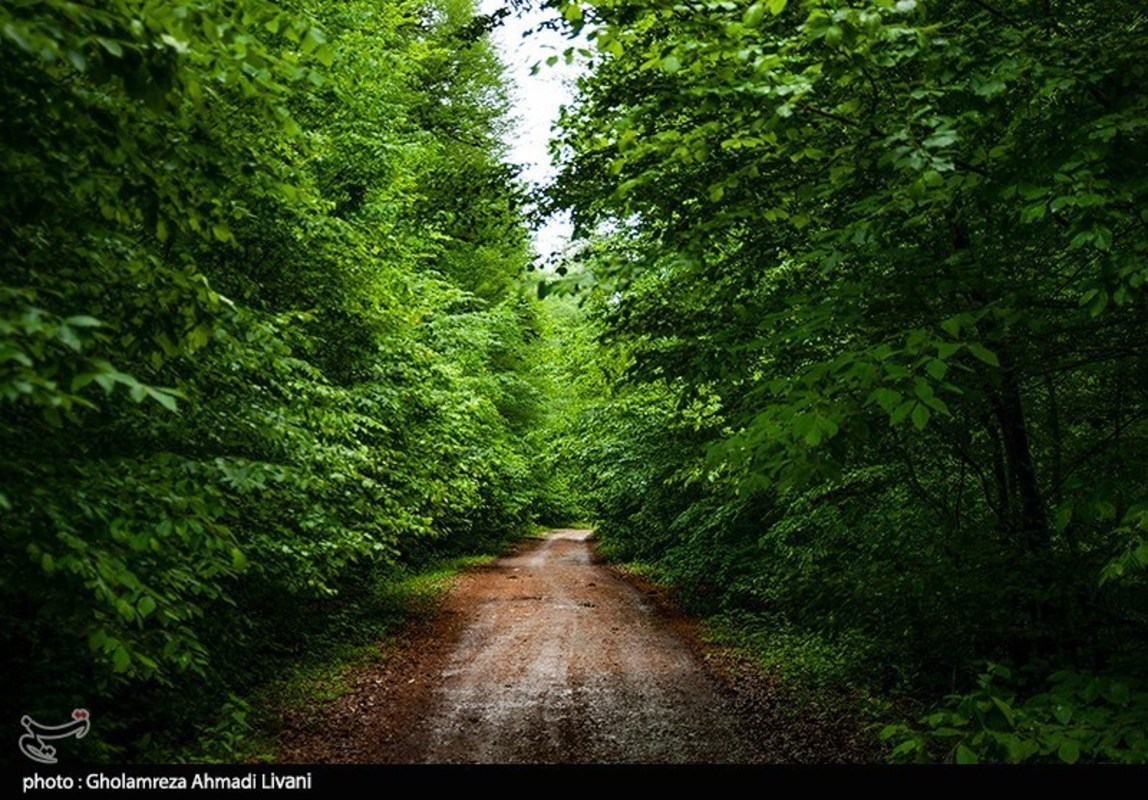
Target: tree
x,y
894,236
258,352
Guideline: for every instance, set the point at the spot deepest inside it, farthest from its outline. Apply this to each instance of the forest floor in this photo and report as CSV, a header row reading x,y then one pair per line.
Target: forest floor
x,y
548,656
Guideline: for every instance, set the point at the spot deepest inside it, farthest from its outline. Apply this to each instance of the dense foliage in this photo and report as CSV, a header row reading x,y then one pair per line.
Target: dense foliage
x,y
873,376
260,336
856,358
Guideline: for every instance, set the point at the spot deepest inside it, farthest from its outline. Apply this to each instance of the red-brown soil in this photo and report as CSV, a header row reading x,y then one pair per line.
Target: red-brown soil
x,y
546,656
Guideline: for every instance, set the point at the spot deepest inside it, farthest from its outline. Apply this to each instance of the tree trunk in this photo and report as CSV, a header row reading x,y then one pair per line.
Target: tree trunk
x,y
1033,519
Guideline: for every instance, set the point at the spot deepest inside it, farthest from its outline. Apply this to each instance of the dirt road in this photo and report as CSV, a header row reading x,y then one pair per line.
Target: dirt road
x,y
564,661
540,657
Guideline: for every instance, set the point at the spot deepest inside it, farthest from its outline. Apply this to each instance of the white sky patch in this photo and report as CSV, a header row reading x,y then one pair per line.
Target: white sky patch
x,y
536,101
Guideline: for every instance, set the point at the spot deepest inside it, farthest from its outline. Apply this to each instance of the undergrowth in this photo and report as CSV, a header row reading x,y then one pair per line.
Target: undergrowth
x,y
343,641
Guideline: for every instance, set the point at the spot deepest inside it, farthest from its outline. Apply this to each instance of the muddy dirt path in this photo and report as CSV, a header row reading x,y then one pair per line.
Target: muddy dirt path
x,y
541,657
562,660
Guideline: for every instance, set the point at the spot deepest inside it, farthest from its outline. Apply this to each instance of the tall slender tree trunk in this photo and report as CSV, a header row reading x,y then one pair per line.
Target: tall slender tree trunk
x,y
1009,410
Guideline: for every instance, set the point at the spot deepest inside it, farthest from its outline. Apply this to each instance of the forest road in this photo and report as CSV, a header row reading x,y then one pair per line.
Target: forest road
x,y
543,656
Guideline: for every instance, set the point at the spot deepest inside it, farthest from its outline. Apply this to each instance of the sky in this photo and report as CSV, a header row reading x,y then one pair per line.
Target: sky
x,y
536,100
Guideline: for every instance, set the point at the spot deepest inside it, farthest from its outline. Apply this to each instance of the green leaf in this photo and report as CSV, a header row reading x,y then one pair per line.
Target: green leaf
x,y
753,15
1069,751
938,405
122,659
901,412
146,606
948,349
966,756
777,6
163,398
920,416
904,748
68,336
1034,212
670,64
936,369
1007,711
111,46
313,38
983,354
1102,238
941,139
1063,516
886,398
238,559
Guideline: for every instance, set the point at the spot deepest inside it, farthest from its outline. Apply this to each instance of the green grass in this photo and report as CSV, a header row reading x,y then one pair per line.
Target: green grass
x,y
642,570
796,656
245,730
542,531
